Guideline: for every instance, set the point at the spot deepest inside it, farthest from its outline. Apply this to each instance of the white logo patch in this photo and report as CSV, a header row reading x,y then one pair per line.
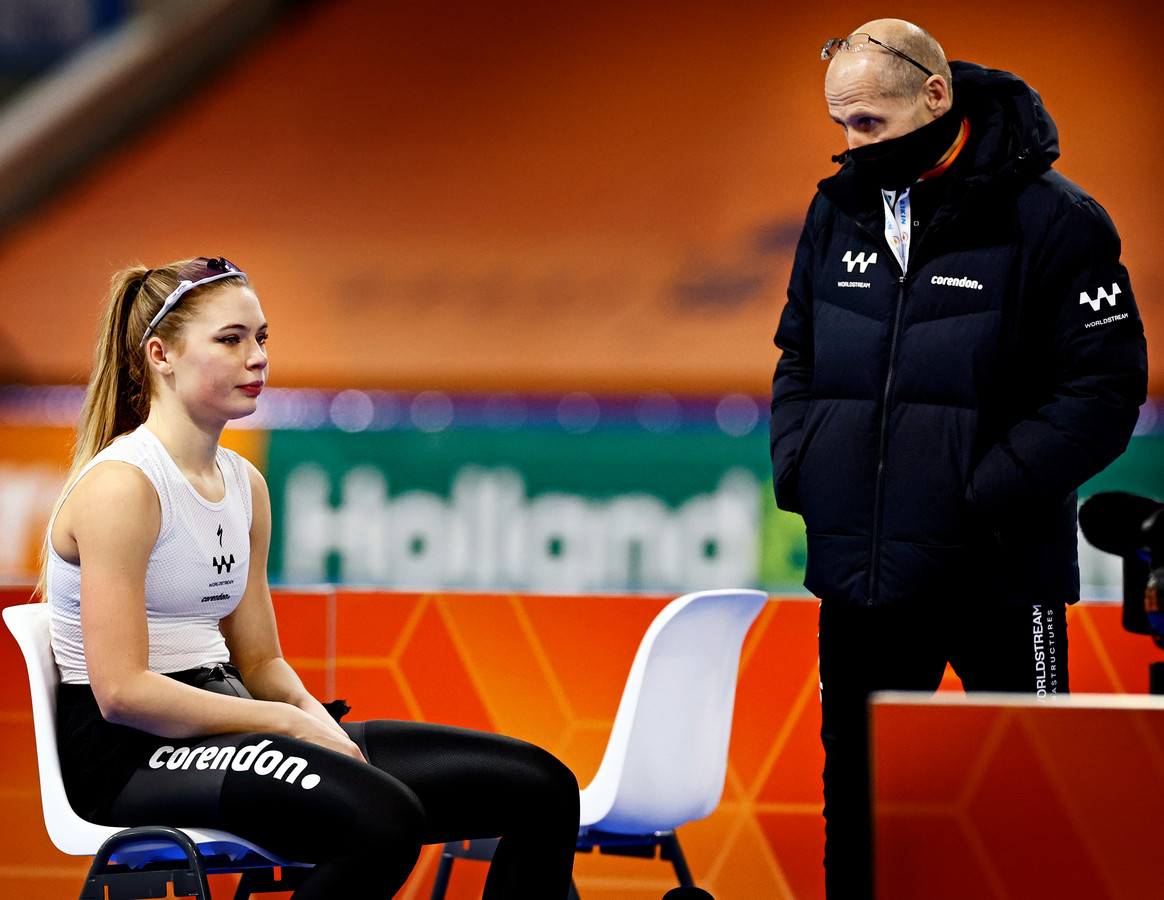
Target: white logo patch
x,y
859,260
962,282
1100,296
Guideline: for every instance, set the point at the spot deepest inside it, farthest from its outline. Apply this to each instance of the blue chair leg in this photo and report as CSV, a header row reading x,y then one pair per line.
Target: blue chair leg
x,y
669,849
441,882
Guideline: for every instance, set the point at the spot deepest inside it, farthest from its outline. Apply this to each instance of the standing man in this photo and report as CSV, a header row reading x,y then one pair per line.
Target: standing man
x,y
961,351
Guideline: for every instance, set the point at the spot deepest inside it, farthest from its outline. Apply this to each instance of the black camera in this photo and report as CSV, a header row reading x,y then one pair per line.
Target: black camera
x,y
1132,527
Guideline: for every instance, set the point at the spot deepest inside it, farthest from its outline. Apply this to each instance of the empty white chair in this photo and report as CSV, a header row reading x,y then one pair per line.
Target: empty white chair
x,y
666,760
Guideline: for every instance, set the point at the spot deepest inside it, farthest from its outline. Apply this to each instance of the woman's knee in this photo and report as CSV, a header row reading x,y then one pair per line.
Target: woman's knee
x,y
550,782
301,788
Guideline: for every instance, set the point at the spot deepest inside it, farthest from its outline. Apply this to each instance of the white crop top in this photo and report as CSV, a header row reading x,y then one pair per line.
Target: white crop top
x,y
197,570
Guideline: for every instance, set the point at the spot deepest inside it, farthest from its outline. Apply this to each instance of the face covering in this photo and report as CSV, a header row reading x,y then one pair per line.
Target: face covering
x,y
897,163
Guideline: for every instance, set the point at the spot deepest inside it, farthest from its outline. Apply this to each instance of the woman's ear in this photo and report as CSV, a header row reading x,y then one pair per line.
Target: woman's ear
x,y
156,356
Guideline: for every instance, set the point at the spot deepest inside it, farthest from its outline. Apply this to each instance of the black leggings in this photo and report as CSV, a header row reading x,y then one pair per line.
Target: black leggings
x,y
363,825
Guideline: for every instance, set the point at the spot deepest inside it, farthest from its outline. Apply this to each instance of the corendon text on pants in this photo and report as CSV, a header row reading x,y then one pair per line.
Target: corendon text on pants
x,y
253,757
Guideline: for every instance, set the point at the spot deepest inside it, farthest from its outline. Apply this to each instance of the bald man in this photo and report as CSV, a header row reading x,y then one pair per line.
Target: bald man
x,y
960,352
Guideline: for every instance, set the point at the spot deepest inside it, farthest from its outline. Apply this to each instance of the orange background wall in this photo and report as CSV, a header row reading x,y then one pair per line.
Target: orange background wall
x,y
551,670
595,195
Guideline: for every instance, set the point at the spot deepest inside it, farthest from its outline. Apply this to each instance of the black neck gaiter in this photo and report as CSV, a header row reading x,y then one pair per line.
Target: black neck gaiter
x,y
897,163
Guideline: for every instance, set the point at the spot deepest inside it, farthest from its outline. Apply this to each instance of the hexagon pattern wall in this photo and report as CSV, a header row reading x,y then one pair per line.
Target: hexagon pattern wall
x,y
550,669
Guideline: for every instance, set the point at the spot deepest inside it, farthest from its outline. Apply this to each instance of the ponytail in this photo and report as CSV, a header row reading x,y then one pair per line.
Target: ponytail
x,y
118,398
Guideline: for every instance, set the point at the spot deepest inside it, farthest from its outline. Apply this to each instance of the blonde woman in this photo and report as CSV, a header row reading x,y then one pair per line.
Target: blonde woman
x,y
176,704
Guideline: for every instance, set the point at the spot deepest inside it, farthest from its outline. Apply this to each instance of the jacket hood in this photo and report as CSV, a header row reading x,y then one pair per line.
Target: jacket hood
x,y
1011,132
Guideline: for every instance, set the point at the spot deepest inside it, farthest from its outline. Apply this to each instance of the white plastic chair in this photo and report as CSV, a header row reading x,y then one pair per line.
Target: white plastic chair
x,y
134,862
666,760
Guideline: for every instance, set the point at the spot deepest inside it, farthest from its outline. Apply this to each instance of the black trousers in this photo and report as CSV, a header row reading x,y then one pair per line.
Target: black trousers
x,y
363,823
1013,648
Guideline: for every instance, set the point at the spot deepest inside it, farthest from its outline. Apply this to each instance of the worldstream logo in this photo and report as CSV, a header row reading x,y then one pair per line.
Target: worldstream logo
x,y
487,533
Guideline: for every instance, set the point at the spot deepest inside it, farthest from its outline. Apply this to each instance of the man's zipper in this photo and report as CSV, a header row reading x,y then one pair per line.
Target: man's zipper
x,y
883,444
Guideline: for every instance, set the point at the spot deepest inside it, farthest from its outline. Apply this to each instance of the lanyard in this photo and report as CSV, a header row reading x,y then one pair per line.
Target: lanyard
x,y
898,225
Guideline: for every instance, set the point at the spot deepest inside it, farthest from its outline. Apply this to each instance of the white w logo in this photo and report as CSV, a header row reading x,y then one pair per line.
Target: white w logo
x,y
1100,296
223,563
859,260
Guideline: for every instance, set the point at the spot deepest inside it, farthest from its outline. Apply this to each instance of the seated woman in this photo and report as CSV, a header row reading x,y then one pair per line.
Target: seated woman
x,y
176,705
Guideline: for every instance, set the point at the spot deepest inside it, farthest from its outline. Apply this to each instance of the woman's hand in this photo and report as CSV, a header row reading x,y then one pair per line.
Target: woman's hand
x,y
324,732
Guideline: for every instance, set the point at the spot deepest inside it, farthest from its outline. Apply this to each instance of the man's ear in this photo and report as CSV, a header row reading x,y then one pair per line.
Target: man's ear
x,y
937,95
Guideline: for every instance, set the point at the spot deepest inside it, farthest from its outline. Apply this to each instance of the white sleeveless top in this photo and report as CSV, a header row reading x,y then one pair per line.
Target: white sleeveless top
x,y
197,570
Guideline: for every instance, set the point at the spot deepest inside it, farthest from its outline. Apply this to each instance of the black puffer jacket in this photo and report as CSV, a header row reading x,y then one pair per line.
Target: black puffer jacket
x,y
933,429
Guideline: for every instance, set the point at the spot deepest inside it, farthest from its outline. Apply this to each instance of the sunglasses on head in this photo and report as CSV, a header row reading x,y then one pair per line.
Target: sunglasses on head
x,y
194,274
855,43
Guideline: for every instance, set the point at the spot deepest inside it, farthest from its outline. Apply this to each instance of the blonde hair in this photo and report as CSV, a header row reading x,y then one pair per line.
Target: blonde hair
x,y
120,390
